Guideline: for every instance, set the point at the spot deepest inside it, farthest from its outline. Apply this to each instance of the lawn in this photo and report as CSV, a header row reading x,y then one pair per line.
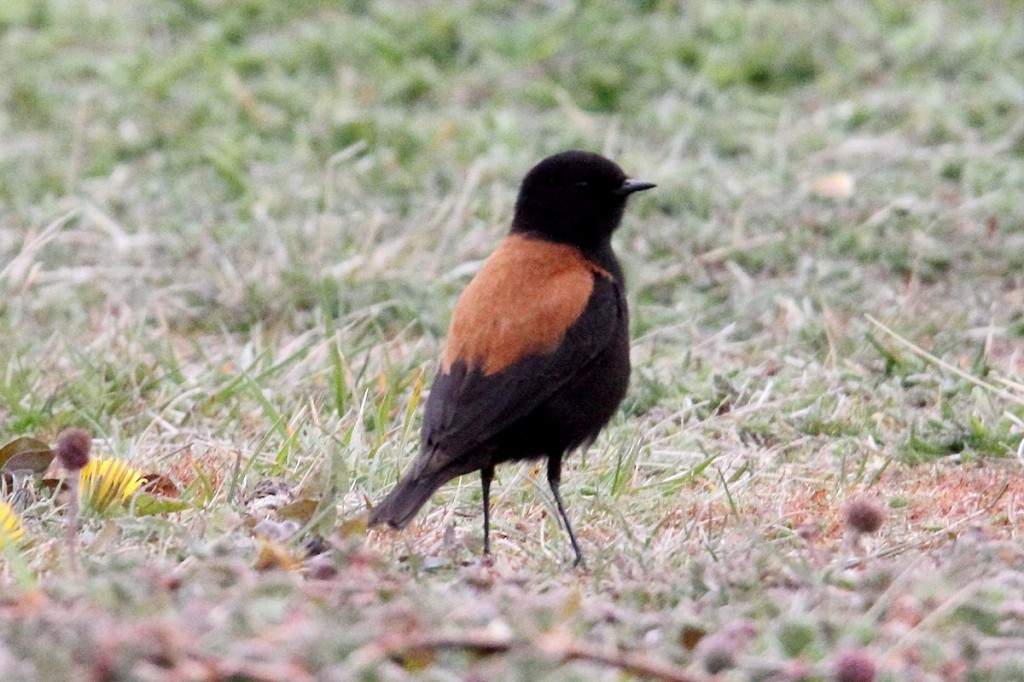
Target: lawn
x,y
231,236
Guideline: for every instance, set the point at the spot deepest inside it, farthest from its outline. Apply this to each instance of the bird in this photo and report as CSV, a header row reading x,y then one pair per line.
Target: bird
x,y
536,360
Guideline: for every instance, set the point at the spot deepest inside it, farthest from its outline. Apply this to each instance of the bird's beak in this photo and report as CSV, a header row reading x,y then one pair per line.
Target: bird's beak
x,y
631,185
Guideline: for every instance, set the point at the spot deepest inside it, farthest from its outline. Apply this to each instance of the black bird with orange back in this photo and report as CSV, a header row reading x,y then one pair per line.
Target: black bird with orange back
x,y
537,356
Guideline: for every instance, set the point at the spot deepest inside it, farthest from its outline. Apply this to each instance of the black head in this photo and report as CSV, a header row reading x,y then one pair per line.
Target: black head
x,y
574,197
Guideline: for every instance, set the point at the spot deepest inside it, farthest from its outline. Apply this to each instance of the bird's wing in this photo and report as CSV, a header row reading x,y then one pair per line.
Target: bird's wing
x,y
518,335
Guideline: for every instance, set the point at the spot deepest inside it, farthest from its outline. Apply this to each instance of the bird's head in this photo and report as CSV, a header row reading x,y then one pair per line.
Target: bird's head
x,y
575,197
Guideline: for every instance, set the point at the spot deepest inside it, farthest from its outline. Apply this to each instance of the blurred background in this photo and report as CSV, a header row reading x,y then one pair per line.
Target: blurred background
x,y
232,233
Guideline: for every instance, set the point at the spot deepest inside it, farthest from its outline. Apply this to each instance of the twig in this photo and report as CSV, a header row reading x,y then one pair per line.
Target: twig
x,y
558,644
201,667
71,529
953,369
16,271
1015,385
720,253
942,610
637,664
258,671
395,646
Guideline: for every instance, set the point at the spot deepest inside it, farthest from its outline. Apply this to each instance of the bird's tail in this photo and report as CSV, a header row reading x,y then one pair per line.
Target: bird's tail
x,y
402,503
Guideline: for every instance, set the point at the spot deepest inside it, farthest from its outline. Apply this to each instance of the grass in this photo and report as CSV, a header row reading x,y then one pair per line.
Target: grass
x,y
231,235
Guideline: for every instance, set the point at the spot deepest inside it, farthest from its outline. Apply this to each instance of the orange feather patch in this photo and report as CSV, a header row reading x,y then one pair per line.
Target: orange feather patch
x,y
528,293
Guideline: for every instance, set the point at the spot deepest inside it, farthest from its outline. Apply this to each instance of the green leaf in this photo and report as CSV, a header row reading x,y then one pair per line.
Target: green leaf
x,y
150,505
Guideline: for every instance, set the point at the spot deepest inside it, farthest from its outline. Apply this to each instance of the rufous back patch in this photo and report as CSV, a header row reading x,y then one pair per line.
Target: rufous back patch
x,y
528,293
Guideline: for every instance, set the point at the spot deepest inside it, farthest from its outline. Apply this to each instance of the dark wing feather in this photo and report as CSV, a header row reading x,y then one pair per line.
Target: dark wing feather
x,y
466,408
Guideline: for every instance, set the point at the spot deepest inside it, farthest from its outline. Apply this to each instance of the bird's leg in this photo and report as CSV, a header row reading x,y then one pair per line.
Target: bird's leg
x,y
554,480
486,476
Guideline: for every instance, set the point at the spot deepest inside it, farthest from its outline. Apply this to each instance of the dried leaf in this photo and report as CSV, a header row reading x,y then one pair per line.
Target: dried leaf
x,y
571,606
417,659
51,484
839,185
299,510
159,484
356,525
691,636
26,453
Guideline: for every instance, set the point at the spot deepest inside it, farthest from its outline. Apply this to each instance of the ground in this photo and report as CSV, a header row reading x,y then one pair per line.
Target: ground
x,y
231,236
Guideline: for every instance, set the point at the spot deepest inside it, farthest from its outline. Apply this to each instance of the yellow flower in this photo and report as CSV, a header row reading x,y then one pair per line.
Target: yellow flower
x,y
105,482
11,531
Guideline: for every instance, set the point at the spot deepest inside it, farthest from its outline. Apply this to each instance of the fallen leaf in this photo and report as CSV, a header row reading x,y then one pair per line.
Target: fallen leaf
x,y
838,185
26,454
417,659
691,636
299,510
159,484
356,525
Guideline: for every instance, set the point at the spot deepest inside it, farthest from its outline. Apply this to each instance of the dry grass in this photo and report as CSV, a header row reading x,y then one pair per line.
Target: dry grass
x,y
231,235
